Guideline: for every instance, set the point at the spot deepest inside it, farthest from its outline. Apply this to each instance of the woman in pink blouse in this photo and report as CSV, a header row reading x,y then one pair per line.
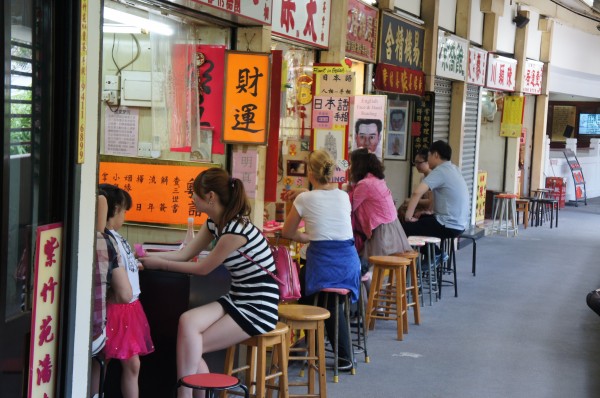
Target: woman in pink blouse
x,y
374,216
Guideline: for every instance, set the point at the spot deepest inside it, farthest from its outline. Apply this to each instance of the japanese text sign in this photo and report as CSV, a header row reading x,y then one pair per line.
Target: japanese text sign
x,y
452,55
258,10
401,43
361,33
305,21
161,193
330,112
532,77
501,72
512,116
424,117
246,102
43,357
477,65
395,79
333,80
245,168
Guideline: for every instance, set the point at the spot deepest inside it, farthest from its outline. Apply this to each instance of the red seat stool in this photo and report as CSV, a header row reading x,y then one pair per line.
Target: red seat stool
x,y
344,293
212,382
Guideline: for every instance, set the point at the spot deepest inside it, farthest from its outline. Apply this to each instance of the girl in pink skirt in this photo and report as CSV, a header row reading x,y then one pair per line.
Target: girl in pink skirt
x,y
127,330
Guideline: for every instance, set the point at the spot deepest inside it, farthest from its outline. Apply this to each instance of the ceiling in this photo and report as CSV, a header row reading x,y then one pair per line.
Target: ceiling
x,y
582,7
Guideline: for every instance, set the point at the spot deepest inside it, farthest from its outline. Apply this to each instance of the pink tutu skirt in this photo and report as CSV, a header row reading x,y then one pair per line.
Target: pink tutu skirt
x,y
127,331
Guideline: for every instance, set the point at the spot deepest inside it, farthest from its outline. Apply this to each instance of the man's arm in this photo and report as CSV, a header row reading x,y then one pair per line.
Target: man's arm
x,y
414,201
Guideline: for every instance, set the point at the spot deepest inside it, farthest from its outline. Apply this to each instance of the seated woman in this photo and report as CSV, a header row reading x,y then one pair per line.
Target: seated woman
x,y
331,259
250,307
373,212
425,206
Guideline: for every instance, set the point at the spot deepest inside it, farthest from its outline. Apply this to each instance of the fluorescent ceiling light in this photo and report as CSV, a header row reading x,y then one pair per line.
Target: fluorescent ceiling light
x,y
143,23
114,28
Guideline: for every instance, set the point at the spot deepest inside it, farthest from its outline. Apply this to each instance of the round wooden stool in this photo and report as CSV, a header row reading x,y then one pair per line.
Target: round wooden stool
x,y
387,301
255,368
413,285
336,293
211,382
310,319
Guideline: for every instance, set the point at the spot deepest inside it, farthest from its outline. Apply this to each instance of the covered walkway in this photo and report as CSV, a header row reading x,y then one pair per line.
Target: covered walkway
x,y
520,328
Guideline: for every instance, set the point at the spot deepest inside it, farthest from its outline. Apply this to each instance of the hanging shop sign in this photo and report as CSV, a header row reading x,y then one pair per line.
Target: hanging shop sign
x,y
501,73
209,61
240,11
532,77
45,315
512,116
333,80
476,66
452,56
361,36
305,21
395,79
401,43
246,100
422,128
334,85
161,191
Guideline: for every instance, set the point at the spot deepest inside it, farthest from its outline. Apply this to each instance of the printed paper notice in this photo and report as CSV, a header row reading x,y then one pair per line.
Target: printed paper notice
x,y
245,168
121,132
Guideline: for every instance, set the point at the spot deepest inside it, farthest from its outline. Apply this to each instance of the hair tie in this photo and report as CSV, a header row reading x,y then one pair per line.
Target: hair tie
x,y
232,182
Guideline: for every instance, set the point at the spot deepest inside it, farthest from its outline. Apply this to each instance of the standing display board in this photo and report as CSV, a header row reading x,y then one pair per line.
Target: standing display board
x,y
578,179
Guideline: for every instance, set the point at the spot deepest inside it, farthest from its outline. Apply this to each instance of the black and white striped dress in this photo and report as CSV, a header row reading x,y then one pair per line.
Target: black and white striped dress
x,y
253,298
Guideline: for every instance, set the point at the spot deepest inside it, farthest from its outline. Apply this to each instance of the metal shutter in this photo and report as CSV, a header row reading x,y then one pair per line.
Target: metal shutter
x,y
469,149
441,114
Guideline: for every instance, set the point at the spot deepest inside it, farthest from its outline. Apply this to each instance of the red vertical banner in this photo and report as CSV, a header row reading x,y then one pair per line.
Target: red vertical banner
x,y
184,117
211,81
273,140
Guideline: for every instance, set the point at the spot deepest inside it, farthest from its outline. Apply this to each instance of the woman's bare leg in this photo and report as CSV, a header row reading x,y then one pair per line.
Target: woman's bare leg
x,y
202,330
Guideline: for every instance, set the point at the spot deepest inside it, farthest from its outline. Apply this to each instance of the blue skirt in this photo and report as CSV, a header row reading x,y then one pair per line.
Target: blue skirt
x,y
332,264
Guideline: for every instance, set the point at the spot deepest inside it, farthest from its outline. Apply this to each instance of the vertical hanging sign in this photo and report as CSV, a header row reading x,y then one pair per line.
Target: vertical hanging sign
x,y
246,100
532,77
82,81
45,322
477,66
512,116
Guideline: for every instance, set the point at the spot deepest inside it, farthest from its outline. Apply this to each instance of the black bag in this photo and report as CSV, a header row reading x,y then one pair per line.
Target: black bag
x,y
593,300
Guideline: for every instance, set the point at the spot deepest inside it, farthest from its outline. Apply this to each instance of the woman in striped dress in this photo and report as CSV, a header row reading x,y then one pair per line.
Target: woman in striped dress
x,y
250,307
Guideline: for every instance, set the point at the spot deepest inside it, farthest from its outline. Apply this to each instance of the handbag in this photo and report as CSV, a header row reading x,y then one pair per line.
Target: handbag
x,y
287,273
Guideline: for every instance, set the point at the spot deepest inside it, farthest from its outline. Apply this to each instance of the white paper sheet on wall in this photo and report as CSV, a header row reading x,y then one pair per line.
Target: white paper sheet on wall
x,y
245,167
121,131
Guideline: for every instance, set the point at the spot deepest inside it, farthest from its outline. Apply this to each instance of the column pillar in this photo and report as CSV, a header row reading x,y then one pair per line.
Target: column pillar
x,y
430,15
538,158
256,39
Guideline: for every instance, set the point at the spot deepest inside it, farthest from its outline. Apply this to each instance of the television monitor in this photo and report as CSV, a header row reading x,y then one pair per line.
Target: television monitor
x,y
589,123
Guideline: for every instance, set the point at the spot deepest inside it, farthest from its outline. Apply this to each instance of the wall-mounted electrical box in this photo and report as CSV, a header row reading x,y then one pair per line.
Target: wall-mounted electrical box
x,y
136,88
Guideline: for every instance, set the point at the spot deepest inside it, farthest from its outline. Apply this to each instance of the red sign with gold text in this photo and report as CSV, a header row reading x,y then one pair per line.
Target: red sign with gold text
x,y
161,193
45,322
361,37
396,79
246,102
211,79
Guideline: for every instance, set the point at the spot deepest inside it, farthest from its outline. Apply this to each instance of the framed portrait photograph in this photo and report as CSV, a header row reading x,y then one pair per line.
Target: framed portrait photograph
x,y
396,133
296,168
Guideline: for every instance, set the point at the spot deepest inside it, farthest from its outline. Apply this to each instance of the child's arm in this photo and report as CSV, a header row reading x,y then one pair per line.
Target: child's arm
x,y
227,244
121,292
191,250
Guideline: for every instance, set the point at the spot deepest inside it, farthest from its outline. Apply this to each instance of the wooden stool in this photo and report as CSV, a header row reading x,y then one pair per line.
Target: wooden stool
x,y
388,301
256,361
326,293
412,286
211,382
505,214
310,319
523,207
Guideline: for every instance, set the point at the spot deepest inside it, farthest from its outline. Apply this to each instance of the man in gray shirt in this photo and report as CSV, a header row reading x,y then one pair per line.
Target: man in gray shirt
x,y
450,198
